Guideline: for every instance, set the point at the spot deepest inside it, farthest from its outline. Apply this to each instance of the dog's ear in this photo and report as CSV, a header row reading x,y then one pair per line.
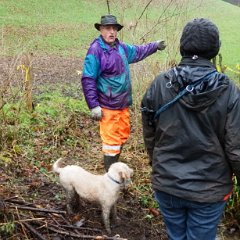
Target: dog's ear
x,y
123,179
122,176
126,175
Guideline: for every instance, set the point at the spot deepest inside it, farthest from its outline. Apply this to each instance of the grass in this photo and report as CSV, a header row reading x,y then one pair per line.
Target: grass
x,y
44,26
53,109
66,27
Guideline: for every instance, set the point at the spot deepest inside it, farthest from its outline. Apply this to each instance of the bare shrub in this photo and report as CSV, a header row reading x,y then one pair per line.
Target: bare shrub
x,y
143,27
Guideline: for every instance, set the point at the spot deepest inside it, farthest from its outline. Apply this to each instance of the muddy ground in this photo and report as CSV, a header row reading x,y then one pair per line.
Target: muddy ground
x,y
31,196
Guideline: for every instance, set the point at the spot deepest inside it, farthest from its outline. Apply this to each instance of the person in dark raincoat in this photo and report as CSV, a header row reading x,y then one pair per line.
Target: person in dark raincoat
x,y
191,129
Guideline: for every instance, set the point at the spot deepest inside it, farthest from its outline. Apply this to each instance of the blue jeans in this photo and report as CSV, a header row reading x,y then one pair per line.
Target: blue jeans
x,y
189,220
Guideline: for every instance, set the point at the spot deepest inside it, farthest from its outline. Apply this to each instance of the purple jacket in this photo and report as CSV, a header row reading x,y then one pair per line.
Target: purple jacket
x,y
106,78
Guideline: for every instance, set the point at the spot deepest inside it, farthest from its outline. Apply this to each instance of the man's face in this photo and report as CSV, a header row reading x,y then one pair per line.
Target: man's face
x,y
109,33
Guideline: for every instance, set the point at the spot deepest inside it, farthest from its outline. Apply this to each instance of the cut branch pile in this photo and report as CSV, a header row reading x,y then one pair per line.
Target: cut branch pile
x,y
34,222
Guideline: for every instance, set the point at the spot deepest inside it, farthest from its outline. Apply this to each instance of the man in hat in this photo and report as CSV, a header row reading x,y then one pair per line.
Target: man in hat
x,y
106,84
193,139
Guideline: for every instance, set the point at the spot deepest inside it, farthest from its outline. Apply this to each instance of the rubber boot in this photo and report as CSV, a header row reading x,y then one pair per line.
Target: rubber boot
x,y
109,160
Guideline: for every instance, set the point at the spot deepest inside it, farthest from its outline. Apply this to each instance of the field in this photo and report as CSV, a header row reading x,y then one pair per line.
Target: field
x,y
54,36
67,28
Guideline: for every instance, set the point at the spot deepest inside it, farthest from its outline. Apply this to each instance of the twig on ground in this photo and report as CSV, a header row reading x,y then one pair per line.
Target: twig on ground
x,y
34,231
39,226
79,228
20,202
117,237
38,209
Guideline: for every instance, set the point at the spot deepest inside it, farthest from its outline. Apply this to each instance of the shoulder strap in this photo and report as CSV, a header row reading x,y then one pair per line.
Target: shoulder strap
x,y
189,88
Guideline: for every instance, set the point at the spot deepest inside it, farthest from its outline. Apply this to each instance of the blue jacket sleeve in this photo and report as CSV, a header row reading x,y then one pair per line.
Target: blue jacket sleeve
x,y
136,53
91,70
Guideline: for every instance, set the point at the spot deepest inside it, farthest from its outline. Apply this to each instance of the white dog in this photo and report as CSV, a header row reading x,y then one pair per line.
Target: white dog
x,y
103,189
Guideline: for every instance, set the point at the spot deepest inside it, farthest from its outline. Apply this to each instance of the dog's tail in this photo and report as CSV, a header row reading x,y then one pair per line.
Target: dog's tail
x,y
56,166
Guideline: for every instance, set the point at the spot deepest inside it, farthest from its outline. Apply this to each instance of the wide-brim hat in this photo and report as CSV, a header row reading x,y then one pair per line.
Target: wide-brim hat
x,y
108,20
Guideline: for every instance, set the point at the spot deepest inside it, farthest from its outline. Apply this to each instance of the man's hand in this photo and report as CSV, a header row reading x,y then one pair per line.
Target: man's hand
x,y
96,113
161,45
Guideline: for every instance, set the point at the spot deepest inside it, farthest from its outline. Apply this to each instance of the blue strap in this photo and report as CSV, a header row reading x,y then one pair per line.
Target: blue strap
x,y
114,180
189,88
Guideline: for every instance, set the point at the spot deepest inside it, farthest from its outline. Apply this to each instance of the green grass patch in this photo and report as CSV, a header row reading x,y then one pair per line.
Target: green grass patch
x,y
49,105
54,111
53,104
66,27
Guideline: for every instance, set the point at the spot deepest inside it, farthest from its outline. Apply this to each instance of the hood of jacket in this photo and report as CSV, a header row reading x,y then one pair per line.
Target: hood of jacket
x,y
106,47
209,84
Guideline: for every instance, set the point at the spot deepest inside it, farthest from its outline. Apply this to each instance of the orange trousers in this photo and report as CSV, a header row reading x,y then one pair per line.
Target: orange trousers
x,y
114,130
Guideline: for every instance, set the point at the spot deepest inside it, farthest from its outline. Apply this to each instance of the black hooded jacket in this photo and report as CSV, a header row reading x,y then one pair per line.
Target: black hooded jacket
x,y
194,145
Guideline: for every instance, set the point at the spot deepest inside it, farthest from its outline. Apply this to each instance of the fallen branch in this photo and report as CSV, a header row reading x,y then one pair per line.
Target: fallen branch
x,y
35,228
79,228
82,236
20,202
34,231
38,209
62,225
31,219
10,198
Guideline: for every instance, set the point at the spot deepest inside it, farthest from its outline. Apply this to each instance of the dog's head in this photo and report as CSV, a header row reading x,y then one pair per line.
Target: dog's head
x,y
121,172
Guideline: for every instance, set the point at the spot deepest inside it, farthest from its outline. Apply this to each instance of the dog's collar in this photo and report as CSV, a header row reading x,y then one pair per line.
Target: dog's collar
x,y
114,180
